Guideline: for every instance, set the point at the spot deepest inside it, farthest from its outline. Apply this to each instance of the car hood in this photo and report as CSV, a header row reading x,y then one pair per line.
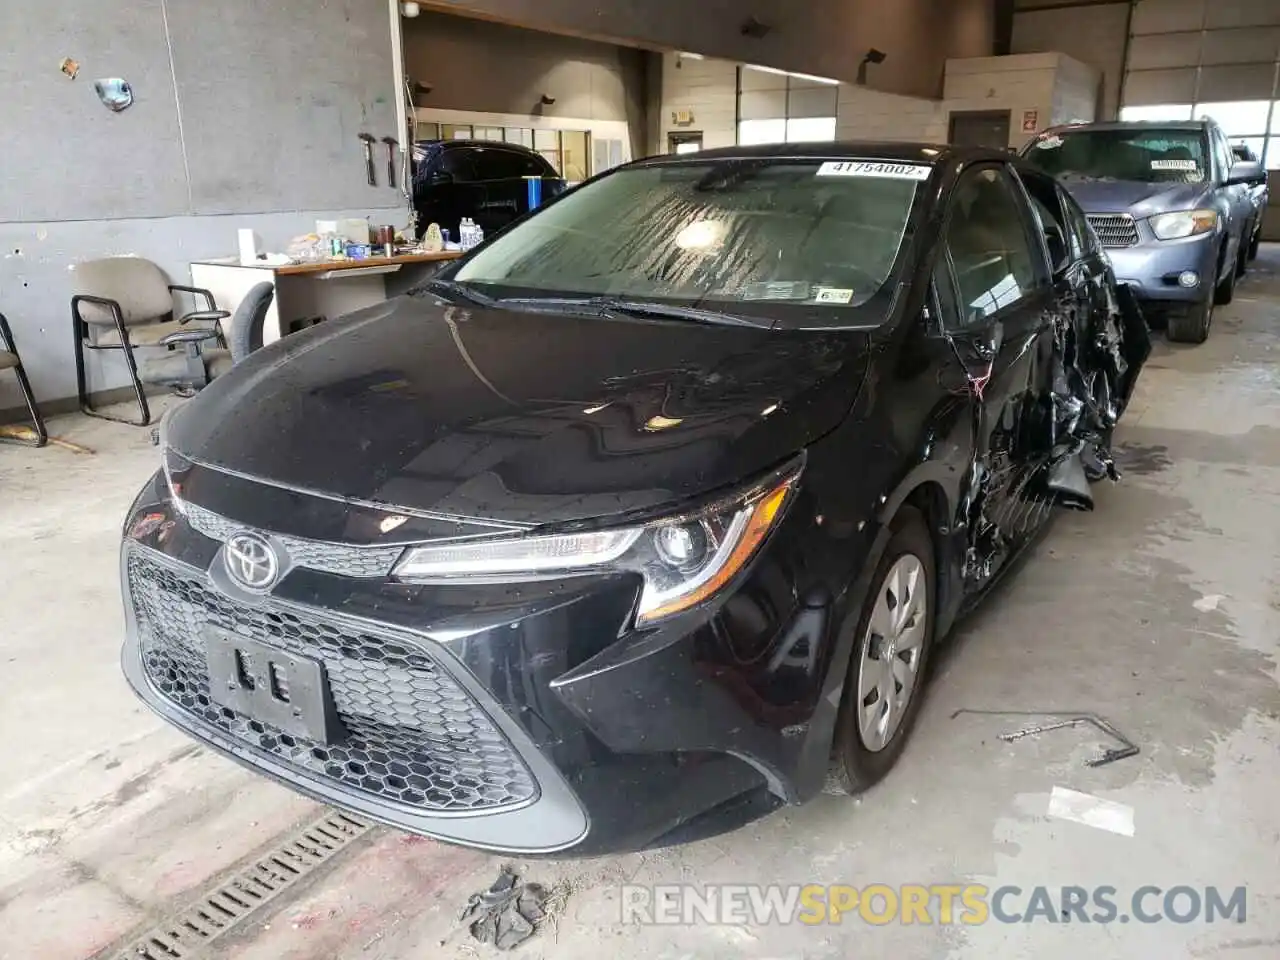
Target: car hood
x,y
519,417
1134,197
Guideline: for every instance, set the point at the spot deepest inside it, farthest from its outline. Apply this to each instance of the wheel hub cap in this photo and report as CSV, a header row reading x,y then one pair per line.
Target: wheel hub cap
x,y
891,652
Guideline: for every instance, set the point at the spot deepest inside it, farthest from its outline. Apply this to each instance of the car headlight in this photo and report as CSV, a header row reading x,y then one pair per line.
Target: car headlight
x,y
683,560
1184,223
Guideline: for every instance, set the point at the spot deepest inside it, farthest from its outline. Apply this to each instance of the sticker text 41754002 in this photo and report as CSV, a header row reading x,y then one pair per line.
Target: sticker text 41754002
x,y
875,168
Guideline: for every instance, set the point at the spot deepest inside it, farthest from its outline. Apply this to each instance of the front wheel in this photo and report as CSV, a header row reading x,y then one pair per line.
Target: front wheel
x,y
1192,324
885,685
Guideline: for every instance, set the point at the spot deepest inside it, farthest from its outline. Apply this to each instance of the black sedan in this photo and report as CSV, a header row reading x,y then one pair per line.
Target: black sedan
x,y
643,518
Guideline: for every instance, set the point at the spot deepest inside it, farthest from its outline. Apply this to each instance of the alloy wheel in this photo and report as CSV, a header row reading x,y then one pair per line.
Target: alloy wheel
x,y
892,651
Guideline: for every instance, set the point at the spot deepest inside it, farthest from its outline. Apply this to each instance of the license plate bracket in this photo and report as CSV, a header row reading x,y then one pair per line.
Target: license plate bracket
x,y
265,683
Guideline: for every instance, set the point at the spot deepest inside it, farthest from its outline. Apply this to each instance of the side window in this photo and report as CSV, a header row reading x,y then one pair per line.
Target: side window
x,y
505,165
1223,151
458,163
990,246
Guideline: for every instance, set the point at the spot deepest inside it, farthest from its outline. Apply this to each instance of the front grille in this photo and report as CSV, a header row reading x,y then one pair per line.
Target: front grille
x,y
413,735
340,558
1114,229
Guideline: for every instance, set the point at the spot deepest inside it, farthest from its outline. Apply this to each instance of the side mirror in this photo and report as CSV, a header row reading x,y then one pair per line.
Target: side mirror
x,y
1246,171
440,178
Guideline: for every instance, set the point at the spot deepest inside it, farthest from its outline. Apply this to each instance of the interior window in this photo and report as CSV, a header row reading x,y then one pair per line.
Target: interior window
x,y
989,245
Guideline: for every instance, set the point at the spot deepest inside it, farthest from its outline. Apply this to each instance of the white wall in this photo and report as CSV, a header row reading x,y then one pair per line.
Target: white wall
x,y
707,88
1053,86
871,115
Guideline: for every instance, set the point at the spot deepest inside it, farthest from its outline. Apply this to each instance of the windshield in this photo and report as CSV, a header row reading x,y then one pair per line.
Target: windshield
x,y
764,230
1145,155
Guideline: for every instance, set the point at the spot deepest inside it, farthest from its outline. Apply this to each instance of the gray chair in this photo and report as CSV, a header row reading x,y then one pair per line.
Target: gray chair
x,y
127,303
9,360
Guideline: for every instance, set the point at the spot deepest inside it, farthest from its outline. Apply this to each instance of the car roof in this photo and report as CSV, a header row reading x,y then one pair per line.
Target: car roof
x,y
1133,125
928,153
478,145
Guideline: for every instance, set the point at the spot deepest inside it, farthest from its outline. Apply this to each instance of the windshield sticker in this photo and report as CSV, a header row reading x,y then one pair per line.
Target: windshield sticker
x,y
833,295
874,168
1186,165
1049,143
776,290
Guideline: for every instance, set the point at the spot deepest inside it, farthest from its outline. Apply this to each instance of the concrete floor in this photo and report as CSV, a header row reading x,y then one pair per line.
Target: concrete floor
x,y
1160,610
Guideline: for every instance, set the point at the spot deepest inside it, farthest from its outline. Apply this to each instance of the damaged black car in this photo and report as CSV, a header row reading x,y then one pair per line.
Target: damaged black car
x,y
643,518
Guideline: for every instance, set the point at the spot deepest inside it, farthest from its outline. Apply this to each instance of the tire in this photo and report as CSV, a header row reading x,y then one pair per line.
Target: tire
x,y
1242,259
1226,290
857,764
1191,325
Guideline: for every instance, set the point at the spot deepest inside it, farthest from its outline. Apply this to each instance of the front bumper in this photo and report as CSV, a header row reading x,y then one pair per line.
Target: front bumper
x,y
1151,267
517,719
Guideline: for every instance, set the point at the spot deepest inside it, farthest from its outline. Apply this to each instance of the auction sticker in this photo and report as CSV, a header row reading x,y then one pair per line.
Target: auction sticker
x,y
874,168
1187,165
833,295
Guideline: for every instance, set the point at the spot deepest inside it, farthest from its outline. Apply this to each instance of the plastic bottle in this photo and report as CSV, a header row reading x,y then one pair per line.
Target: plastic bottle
x,y
477,234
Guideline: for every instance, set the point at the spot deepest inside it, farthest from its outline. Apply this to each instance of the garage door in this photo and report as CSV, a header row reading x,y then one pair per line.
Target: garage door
x,y
1218,58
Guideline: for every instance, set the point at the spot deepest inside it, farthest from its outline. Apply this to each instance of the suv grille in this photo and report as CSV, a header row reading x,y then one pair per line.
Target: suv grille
x,y
340,558
414,736
1114,229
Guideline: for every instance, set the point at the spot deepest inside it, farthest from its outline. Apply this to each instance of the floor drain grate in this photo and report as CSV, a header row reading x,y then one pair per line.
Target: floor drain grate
x,y
188,933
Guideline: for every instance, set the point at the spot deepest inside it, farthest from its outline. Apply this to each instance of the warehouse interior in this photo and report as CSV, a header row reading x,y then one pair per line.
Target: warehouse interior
x,y
280,151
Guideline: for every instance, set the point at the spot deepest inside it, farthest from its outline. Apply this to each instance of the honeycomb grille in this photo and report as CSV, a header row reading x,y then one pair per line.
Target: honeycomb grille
x,y
1114,229
413,735
339,558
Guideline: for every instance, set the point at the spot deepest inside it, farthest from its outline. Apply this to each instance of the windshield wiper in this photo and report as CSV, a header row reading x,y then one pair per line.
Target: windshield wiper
x,y
634,308
458,290
648,308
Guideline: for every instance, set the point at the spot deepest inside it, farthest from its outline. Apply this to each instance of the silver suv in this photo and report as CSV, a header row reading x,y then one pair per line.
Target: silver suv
x,y
1171,205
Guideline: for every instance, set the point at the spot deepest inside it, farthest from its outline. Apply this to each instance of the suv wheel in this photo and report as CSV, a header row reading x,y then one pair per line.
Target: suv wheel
x,y
1192,324
886,678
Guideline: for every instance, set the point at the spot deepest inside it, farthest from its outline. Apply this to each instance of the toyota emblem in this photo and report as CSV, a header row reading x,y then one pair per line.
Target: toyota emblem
x,y
251,561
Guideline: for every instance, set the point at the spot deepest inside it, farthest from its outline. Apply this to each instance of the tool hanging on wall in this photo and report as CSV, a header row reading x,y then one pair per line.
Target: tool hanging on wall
x,y
369,140
392,144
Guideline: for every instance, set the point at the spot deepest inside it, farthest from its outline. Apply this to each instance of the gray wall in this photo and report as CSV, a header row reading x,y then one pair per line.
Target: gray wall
x,y
1092,34
240,108
495,68
823,37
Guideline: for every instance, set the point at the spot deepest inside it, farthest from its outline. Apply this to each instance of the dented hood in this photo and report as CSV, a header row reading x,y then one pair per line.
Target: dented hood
x,y
515,416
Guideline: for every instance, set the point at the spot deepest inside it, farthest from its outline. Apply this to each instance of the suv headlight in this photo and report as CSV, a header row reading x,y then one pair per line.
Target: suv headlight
x,y
683,559
1184,223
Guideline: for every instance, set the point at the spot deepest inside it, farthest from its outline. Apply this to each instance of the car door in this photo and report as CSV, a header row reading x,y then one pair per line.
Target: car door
x,y
1235,198
997,304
